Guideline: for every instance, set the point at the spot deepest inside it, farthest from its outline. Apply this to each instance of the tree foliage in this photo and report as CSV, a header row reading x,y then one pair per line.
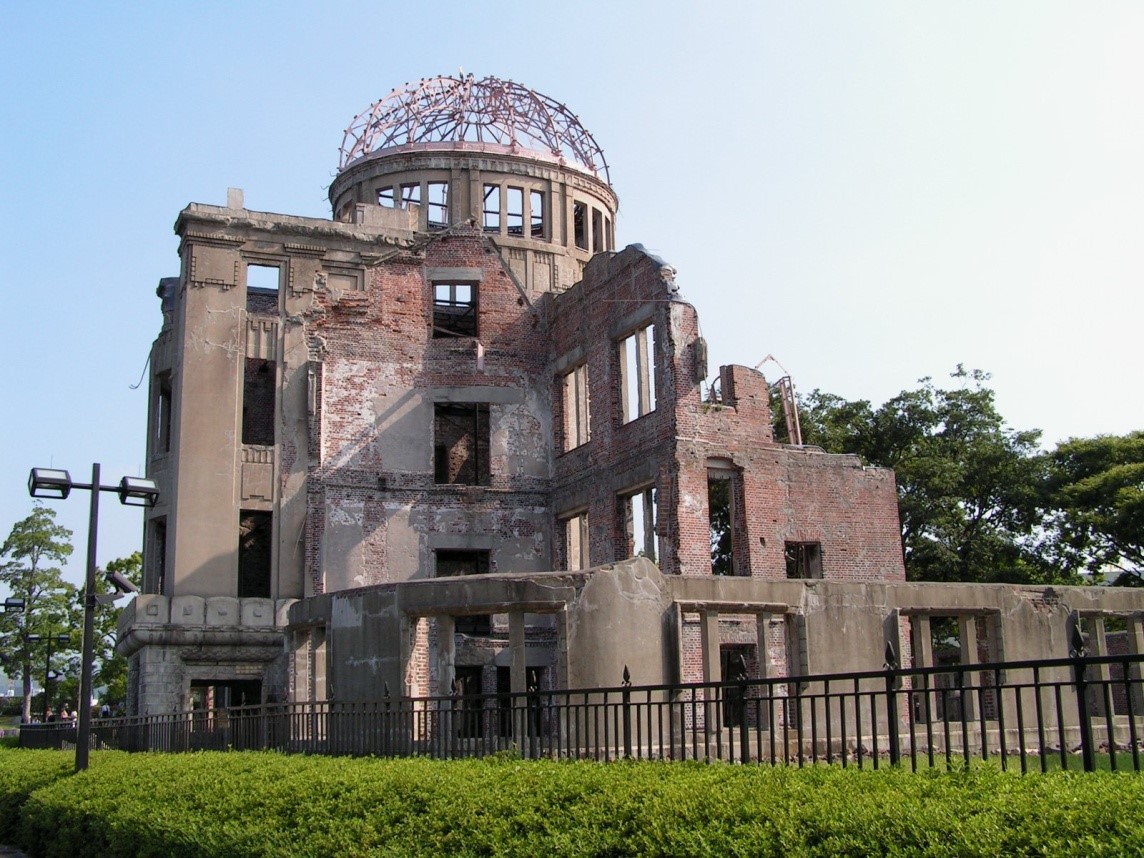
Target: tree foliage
x,y
1095,495
33,551
969,487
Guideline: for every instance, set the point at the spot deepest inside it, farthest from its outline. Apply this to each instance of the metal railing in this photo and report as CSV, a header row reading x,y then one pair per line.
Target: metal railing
x,y
1077,712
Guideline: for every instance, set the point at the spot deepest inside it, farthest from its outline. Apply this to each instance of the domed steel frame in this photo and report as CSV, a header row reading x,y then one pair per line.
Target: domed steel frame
x,y
486,115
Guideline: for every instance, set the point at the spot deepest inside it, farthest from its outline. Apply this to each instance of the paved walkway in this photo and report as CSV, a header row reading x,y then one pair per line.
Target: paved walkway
x,y
10,852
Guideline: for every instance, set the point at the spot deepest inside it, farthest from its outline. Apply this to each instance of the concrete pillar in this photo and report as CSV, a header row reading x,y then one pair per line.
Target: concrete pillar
x,y
921,646
517,653
446,654
967,633
1097,646
709,644
1135,634
762,649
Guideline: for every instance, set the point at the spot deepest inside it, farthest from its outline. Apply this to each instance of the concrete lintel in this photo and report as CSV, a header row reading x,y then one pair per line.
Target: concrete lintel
x,y
486,393
455,275
724,606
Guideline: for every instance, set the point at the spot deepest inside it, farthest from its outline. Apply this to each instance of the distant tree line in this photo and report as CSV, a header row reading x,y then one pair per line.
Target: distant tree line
x,y
982,502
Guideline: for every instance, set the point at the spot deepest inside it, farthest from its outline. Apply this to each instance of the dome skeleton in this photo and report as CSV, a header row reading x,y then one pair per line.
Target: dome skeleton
x,y
463,110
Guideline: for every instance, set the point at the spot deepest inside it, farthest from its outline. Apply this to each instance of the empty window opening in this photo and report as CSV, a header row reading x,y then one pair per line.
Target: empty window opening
x,y
597,230
468,687
803,559
262,288
411,195
216,695
454,309
534,681
159,557
514,210
254,553
491,209
461,444
577,429
385,197
638,514
580,224
258,386
576,554
609,235
637,373
737,663
453,563
721,520
163,413
536,212
438,204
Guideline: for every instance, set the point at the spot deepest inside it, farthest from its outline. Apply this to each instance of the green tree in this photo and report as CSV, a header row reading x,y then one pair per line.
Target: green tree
x,y
33,551
111,668
968,485
1095,499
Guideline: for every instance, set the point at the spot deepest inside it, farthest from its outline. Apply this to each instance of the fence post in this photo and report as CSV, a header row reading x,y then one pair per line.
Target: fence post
x,y
891,668
1080,684
627,701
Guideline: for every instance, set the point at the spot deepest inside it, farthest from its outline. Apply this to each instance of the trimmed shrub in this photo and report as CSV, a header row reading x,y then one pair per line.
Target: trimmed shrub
x,y
251,804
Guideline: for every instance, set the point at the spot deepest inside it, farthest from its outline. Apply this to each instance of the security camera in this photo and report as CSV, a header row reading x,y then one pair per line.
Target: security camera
x,y
119,581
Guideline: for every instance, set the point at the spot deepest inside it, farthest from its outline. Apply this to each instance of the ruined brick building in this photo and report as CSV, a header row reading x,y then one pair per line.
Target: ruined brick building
x,y
390,445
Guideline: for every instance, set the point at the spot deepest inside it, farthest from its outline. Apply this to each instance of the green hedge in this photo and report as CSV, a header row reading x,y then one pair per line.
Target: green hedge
x,y
248,804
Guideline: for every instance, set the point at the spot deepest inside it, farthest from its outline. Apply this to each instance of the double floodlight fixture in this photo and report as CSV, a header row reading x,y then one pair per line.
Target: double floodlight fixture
x,y
132,491
12,604
57,484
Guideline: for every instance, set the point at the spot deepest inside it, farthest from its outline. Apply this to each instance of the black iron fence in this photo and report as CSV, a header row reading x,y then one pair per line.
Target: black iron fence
x,y
1080,712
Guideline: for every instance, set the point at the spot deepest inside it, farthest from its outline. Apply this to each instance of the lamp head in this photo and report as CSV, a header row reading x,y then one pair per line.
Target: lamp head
x,y
138,491
49,483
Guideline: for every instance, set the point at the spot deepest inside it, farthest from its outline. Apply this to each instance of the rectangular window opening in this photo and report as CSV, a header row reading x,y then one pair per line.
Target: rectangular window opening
x,y
577,427
737,662
597,230
262,288
254,554
576,553
163,403
385,197
803,559
514,211
580,224
721,519
438,200
461,444
454,309
637,373
411,195
453,563
534,681
258,388
638,511
491,209
157,579
536,212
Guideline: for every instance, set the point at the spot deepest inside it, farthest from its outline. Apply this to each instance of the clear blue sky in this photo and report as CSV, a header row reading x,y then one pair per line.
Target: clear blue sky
x,y
872,192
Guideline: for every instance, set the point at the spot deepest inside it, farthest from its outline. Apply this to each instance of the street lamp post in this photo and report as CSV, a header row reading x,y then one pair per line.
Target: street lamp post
x,y
132,491
62,639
